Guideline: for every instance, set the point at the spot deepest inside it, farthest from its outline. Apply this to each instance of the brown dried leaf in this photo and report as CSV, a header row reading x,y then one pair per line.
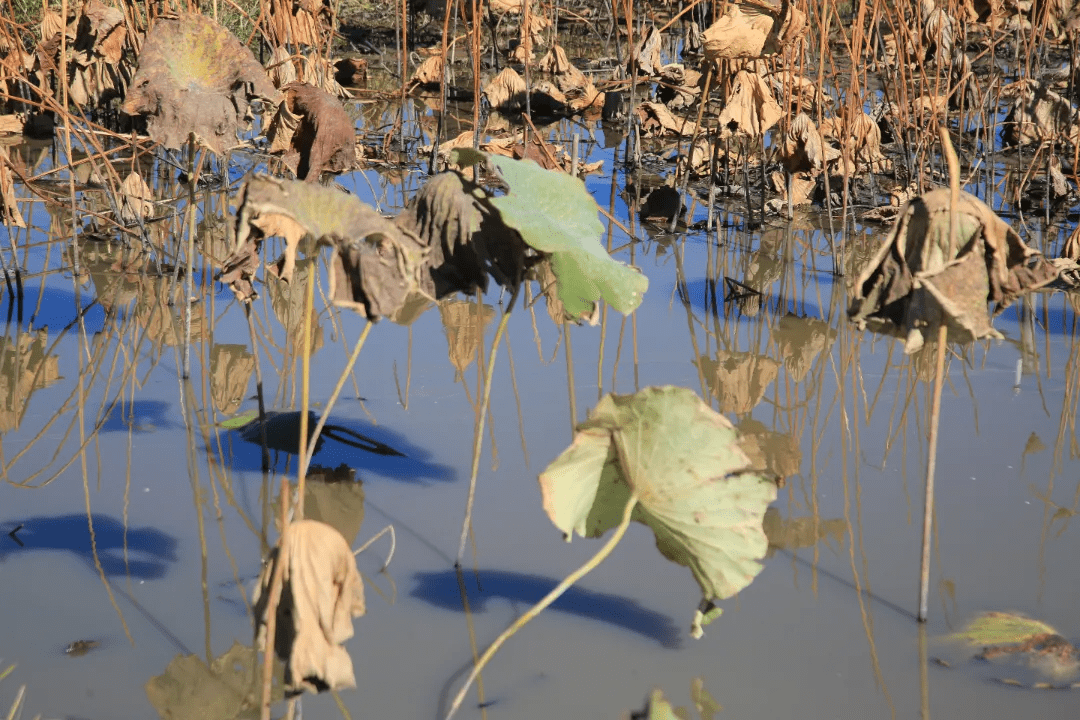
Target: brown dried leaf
x,y
12,125
1039,115
324,139
751,108
657,120
321,593
803,148
136,199
102,31
645,59
861,144
917,280
428,73
195,76
280,68
374,266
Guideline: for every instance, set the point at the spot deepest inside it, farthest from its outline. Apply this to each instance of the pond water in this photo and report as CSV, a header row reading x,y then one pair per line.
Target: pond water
x,y
99,423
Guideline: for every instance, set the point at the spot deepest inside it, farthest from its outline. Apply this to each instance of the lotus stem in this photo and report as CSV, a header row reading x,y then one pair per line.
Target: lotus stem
x,y
551,597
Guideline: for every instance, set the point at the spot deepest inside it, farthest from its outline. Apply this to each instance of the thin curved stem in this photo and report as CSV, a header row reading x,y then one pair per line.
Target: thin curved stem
x,y
539,607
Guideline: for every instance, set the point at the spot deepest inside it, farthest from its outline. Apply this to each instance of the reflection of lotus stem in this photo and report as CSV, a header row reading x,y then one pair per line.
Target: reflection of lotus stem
x,y
478,437
551,597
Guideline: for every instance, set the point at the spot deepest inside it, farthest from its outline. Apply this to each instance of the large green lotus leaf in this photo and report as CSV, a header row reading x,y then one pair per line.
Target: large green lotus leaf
x,y
555,214
694,484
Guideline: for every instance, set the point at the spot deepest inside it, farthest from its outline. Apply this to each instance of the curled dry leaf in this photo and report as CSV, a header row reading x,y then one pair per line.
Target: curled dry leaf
x,y
321,593
506,90
1038,114
428,73
802,91
861,144
580,92
322,137
195,76
136,199
657,120
918,280
645,59
752,30
751,108
803,149
374,265
11,125
679,86
280,68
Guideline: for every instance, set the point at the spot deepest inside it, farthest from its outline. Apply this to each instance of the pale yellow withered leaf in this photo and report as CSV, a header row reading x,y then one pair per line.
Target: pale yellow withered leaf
x,y
321,593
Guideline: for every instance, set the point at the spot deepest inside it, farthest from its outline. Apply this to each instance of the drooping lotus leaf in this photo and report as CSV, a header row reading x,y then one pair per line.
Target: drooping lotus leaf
x,y
195,76
917,280
555,214
374,267
694,484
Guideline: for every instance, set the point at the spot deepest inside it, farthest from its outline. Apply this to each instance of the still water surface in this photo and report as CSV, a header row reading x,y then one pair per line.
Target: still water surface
x,y
180,509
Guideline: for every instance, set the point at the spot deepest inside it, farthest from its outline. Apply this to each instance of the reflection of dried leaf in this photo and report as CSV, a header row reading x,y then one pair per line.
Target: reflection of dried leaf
x,y
751,108
224,690
464,322
334,496
738,380
801,340
136,199
288,299
775,452
231,367
801,532
324,139
918,280
24,368
321,594
195,76
9,209
750,30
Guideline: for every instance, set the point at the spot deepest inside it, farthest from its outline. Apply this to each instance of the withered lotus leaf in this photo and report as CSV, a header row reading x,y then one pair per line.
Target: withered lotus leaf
x,y
375,264
507,89
918,279
314,131
195,76
753,30
751,108
321,593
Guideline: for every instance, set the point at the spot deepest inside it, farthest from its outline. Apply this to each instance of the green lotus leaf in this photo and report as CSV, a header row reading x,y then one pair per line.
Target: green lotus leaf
x,y
556,215
695,486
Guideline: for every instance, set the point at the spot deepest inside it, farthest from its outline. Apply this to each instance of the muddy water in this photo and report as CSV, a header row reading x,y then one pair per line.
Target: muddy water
x,y
180,508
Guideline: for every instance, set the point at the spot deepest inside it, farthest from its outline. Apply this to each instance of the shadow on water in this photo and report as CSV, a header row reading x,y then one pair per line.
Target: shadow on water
x,y
149,551
413,465
139,415
441,589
